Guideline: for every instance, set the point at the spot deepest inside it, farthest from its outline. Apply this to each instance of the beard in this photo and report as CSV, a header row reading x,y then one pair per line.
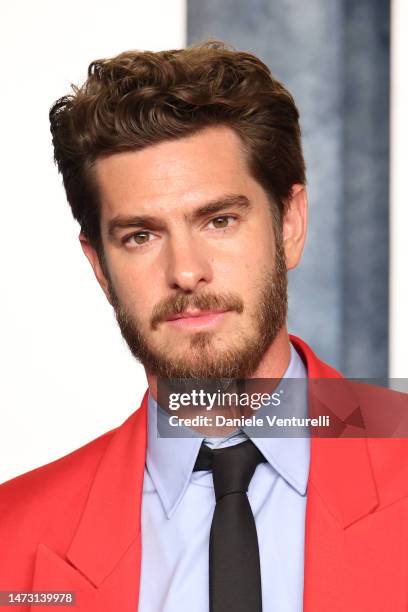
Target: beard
x,y
202,360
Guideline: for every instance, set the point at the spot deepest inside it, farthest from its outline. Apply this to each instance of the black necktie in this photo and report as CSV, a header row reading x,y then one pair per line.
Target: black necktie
x,y
235,577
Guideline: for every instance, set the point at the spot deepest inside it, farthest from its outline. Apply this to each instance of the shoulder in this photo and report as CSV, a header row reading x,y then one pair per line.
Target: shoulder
x,y
51,472
45,506
56,477
41,500
384,415
384,411
373,391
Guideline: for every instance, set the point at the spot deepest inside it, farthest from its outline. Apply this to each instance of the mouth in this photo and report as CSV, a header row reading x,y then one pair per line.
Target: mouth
x,y
196,318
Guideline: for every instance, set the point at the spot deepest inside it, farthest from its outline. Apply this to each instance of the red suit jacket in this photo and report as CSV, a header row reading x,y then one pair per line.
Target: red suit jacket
x,y
74,524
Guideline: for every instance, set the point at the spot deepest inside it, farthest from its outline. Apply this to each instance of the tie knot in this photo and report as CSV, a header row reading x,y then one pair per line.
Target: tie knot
x,y
232,467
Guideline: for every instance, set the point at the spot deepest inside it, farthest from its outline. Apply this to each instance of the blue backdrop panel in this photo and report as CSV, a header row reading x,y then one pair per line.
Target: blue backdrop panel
x,y
334,57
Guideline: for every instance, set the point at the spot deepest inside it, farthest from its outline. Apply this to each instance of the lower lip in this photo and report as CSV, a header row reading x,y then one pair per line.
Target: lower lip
x,y
197,322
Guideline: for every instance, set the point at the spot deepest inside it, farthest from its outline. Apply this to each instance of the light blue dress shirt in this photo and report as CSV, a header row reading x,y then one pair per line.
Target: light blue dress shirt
x,y
177,510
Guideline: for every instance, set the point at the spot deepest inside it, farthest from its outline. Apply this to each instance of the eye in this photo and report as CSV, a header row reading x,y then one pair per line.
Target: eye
x,y
223,221
137,238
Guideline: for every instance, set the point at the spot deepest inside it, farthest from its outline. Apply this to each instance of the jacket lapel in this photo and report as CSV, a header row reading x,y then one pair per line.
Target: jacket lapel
x,y
355,558
340,469
342,569
102,564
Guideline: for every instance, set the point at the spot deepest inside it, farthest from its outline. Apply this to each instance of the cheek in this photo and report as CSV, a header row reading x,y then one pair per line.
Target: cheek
x,y
257,260
132,291
266,245
259,245
140,300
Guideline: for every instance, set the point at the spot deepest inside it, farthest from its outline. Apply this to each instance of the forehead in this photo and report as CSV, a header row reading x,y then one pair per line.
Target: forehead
x,y
174,174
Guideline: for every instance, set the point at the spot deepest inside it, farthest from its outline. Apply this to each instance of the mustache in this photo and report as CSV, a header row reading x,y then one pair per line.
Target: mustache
x,y
203,301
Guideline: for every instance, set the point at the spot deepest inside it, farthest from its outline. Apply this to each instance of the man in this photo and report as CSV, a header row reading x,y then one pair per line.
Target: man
x,y
185,171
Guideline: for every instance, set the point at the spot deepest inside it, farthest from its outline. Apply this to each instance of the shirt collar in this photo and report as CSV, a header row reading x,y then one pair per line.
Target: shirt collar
x,y
170,461
290,457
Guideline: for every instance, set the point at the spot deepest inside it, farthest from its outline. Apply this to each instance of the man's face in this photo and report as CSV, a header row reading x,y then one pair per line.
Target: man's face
x,y
194,272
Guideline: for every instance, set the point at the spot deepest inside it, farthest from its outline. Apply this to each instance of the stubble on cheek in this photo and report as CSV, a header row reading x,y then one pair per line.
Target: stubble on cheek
x,y
232,352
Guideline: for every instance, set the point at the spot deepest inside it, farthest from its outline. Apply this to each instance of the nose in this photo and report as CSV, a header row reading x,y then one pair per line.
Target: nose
x,y
188,267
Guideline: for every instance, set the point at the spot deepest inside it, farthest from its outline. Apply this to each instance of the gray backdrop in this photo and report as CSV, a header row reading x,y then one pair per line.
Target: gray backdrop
x,y
333,55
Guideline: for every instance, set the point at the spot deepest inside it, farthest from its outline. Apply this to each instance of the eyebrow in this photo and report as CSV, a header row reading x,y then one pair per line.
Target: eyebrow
x,y
154,223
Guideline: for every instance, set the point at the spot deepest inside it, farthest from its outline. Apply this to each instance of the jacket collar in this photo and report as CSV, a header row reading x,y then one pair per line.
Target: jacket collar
x,y
340,471
111,519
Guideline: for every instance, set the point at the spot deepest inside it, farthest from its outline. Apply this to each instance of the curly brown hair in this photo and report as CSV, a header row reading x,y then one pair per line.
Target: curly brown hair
x,y
137,99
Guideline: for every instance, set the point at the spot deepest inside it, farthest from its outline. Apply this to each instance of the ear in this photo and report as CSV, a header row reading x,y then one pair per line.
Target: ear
x,y
295,225
93,259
